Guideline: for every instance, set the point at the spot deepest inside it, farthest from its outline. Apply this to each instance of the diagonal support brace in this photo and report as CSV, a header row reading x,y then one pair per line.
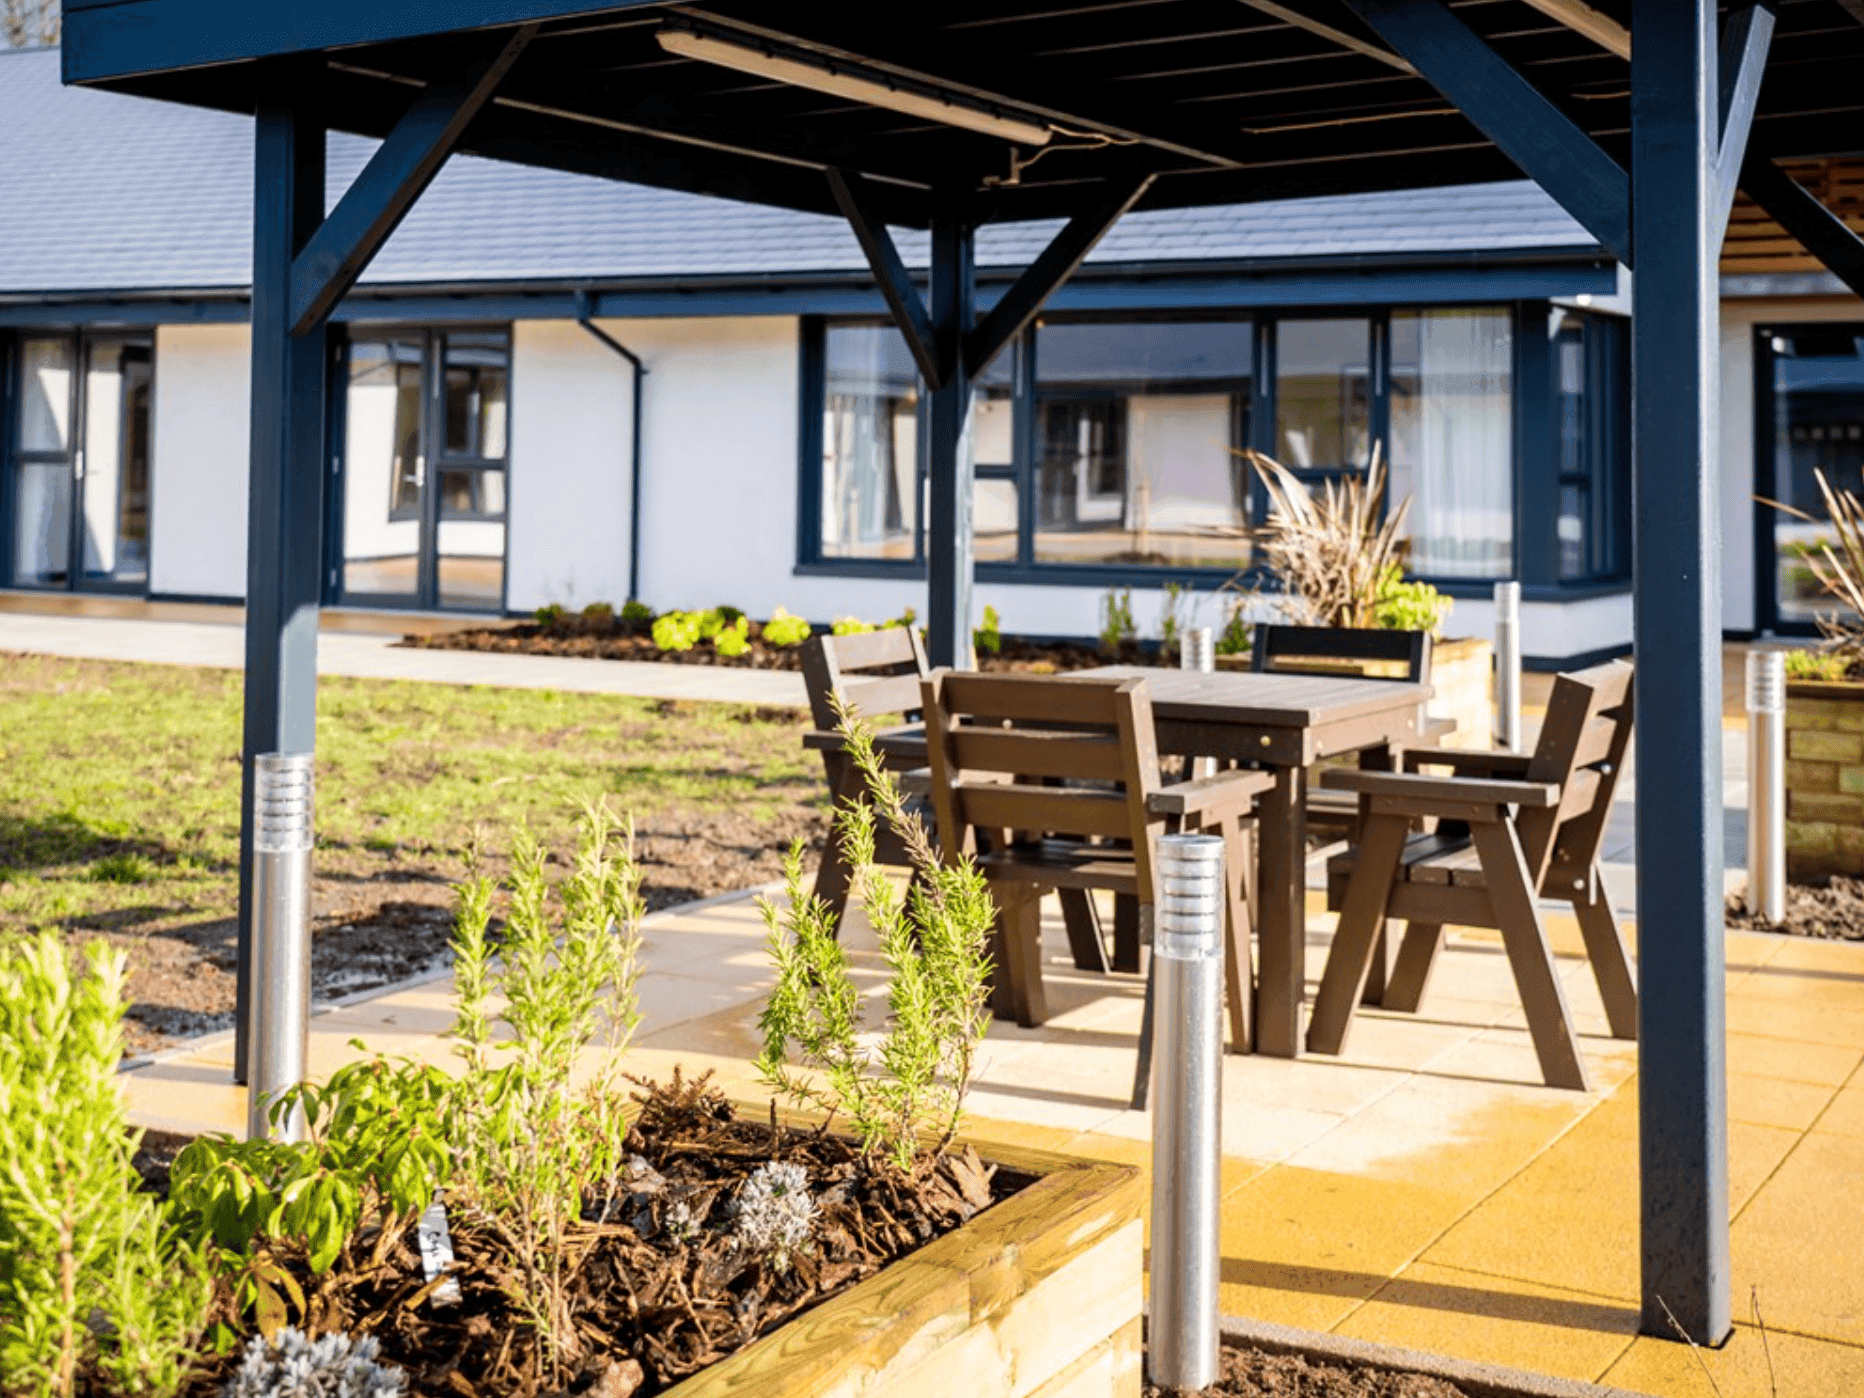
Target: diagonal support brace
x,y
1065,252
1743,62
1825,235
406,163
853,197
1511,112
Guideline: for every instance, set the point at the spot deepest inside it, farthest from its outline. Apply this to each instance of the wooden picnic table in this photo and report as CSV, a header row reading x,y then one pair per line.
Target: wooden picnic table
x,y
1284,723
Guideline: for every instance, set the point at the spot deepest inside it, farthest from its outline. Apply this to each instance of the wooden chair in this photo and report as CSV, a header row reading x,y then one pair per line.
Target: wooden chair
x,y
1512,827
871,673
992,741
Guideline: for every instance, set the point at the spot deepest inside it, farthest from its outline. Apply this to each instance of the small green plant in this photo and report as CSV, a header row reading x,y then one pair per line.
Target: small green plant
x,y
911,1083
636,613
1822,665
1399,605
735,639
1169,623
549,616
98,1292
989,636
784,630
1116,626
122,867
1238,634
676,631
904,620
598,614
850,626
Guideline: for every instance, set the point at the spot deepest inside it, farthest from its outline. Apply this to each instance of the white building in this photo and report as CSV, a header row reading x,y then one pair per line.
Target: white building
x,y
496,449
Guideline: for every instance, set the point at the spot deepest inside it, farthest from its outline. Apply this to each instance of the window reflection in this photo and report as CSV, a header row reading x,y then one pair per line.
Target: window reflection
x,y
1818,409
870,444
1323,394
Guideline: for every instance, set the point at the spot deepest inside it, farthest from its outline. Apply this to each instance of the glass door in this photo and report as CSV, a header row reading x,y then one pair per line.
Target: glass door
x,y
81,463
425,447
1813,390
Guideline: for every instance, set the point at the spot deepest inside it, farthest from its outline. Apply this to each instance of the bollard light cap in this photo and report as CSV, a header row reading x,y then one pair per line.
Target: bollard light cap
x,y
1766,681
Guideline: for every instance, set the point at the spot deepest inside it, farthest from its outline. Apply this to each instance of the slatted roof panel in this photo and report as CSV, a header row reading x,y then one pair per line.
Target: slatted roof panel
x,y
1225,101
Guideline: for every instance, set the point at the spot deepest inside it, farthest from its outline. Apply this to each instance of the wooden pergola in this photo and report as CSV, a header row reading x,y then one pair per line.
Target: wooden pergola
x,y
1641,117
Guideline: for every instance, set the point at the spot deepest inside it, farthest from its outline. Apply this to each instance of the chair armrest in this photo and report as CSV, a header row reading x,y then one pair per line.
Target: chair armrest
x,y
1469,762
1203,799
896,745
1409,785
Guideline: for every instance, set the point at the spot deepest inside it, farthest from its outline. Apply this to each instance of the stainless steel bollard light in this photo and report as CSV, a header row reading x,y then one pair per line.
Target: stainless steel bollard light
x,y
1187,1117
1508,665
281,935
1197,649
1766,820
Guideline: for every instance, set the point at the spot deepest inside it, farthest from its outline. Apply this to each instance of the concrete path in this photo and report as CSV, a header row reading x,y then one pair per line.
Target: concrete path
x,y
1423,1190
376,656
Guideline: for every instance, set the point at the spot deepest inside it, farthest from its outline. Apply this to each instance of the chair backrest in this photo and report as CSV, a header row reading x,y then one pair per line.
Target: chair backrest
x,y
875,672
993,740
1374,652
1582,751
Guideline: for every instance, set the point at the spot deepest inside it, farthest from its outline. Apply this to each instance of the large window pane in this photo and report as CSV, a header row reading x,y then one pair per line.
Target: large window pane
x,y
386,472
45,386
1323,394
470,566
117,383
42,525
870,456
1136,426
477,389
1818,397
1452,439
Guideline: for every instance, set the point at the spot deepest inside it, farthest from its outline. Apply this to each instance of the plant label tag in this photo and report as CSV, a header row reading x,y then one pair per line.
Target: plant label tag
x,y
436,1246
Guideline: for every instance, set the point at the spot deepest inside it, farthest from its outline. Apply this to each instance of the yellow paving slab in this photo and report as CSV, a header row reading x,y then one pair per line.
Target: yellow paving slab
x,y
1544,1329
1845,1115
1799,1243
1748,1366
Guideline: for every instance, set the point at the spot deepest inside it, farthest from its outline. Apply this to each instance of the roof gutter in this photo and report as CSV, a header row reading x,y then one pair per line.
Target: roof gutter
x,y
585,317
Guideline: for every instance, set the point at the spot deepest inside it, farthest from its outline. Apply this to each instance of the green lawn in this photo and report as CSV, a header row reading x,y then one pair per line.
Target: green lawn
x,y
119,790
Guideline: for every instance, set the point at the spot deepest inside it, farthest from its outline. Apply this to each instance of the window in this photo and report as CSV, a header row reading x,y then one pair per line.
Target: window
x,y
1137,426
1589,415
1815,381
870,444
1452,439
1323,395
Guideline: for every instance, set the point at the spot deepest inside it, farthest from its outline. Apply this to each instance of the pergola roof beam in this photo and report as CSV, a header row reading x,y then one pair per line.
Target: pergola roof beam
x,y
890,274
1822,233
1332,35
1743,62
1027,294
403,166
1511,112
1581,18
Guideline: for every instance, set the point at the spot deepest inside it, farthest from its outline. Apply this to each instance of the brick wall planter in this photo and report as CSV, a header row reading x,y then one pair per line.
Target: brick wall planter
x,y
1037,1297
1824,780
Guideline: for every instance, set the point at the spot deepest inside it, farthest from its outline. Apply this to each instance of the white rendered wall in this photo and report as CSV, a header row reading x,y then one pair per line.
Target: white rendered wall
x,y
1739,599
197,485
571,415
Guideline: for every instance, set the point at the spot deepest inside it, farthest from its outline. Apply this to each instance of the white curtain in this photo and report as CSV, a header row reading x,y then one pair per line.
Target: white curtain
x,y
1452,435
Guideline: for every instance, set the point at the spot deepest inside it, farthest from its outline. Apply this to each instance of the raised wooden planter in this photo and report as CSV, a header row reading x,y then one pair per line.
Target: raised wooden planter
x,y
1037,1297
1824,780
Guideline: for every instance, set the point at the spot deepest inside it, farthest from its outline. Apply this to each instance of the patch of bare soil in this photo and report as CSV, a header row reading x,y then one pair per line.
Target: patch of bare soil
x,y
1835,911
1256,1373
666,1276
620,640
379,920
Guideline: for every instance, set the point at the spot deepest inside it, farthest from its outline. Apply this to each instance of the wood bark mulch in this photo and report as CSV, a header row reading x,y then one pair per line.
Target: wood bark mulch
x,y
1834,911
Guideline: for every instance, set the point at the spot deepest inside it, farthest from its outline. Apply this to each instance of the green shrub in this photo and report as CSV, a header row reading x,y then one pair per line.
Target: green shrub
x,y
98,1293
549,615
850,626
1169,624
1399,605
989,636
1116,611
912,1081
903,620
735,639
785,630
676,630
636,613
1238,634
599,614
1815,665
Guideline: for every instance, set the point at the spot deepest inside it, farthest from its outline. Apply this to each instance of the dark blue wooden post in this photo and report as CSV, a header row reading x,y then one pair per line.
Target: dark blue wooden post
x,y
285,514
949,467
1683,1116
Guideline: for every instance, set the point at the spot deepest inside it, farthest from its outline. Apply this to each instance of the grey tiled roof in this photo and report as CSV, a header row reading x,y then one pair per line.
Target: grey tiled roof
x,y
103,192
